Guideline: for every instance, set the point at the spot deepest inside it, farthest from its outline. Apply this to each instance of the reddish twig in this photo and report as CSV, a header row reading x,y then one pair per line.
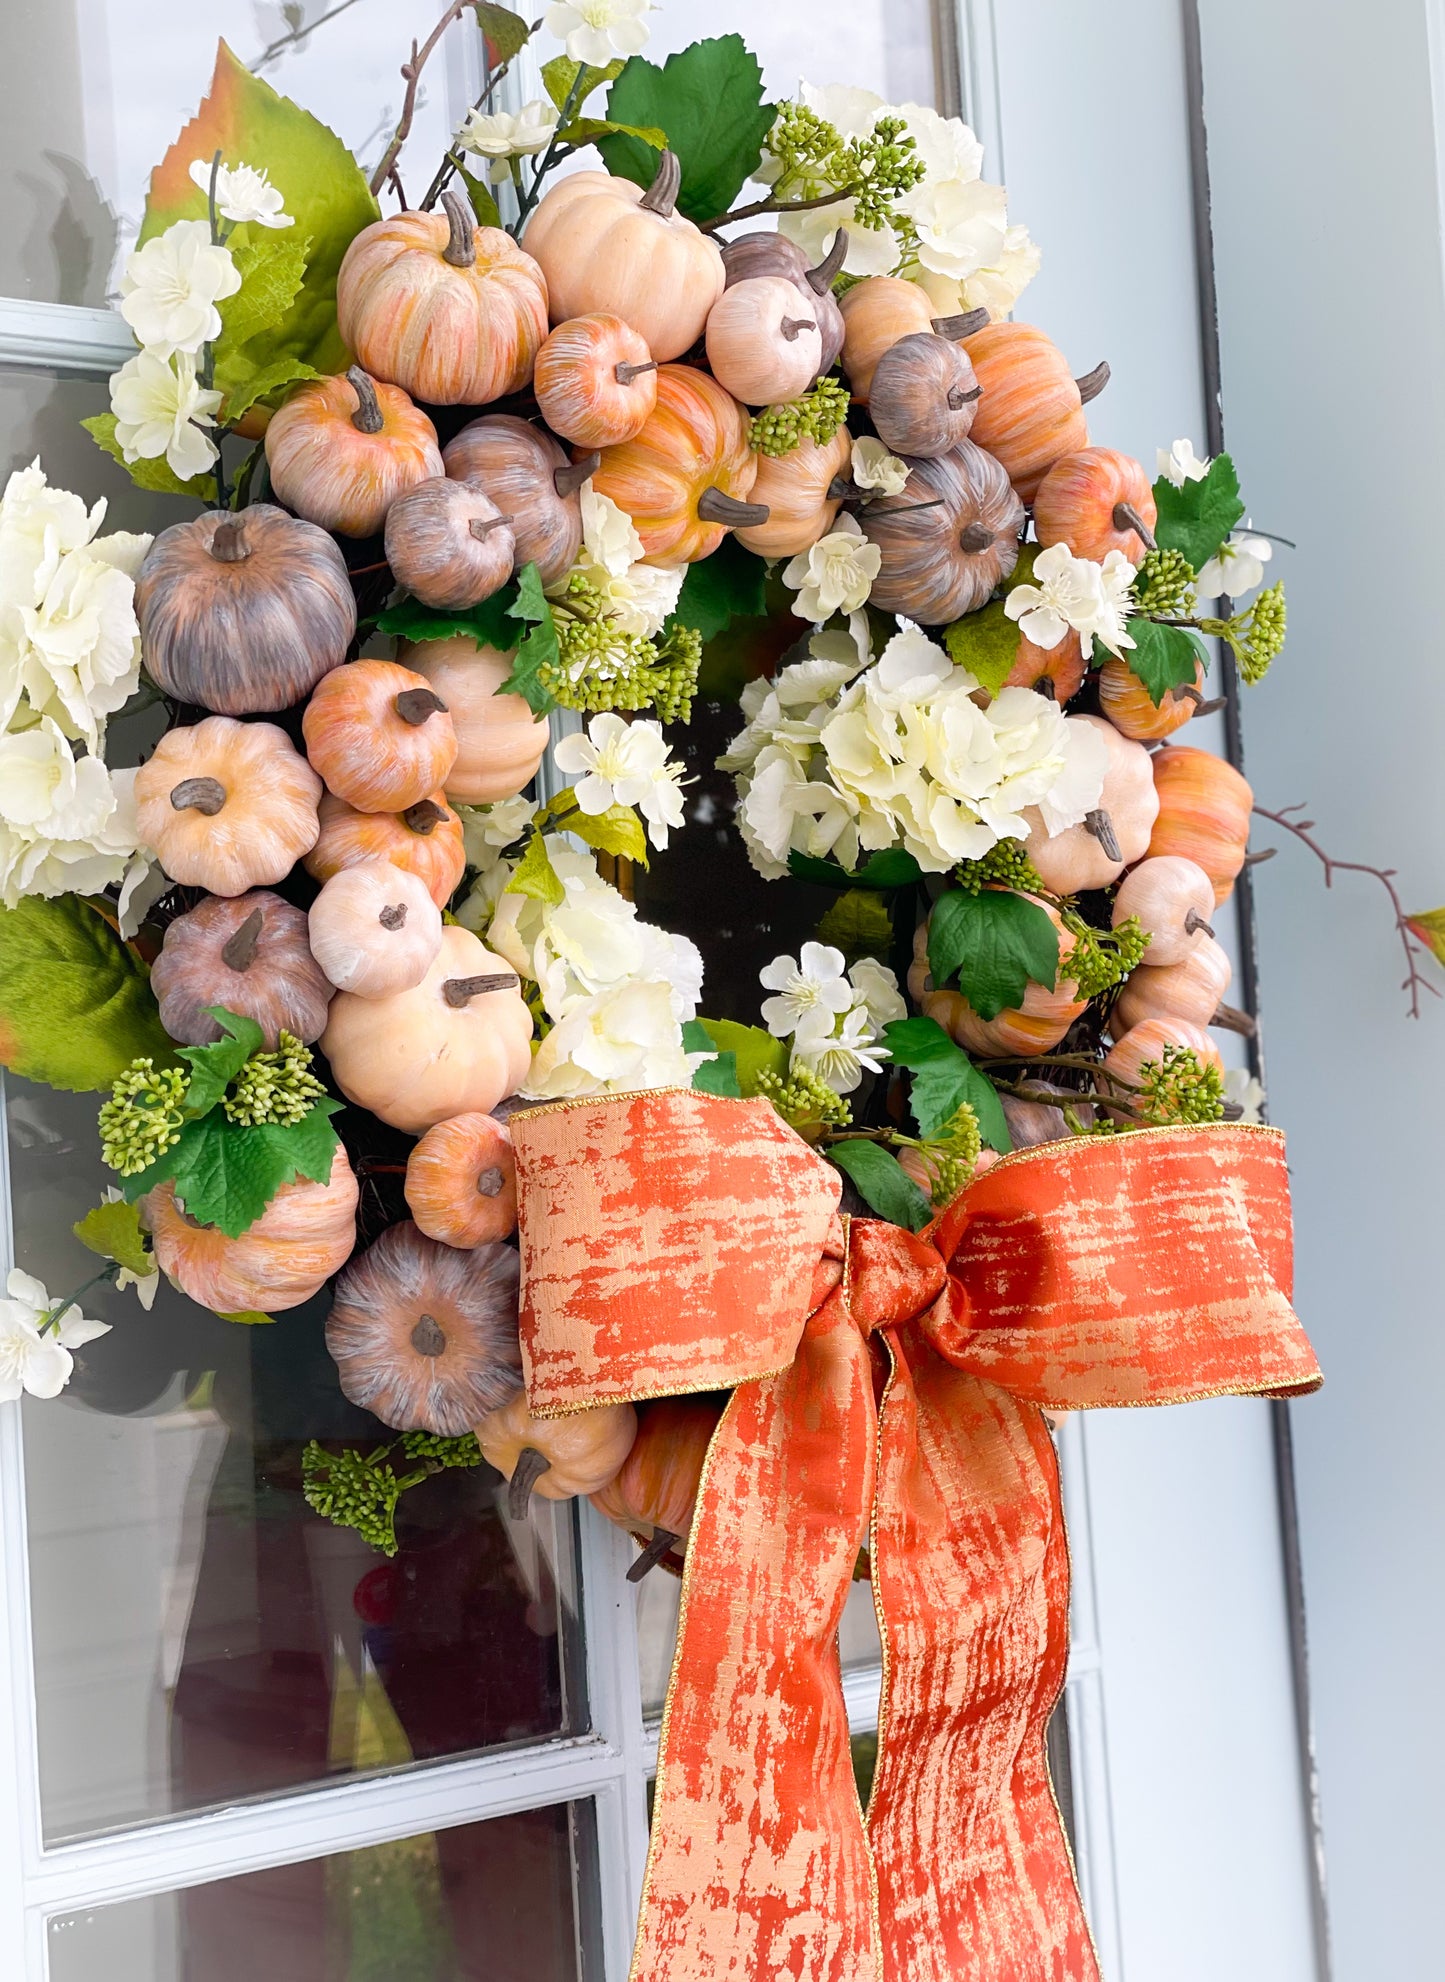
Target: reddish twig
x,y
1415,982
411,76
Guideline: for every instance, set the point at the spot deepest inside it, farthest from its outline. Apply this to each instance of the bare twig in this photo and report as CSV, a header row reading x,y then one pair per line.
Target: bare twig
x,y
297,34
1415,981
451,163
771,205
411,76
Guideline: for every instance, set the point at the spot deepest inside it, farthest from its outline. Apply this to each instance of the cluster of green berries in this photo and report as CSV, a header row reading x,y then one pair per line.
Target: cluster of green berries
x,y
600,667
1102,958
359,1490
1005,865
814,158
142,1118
805,1101
817,416
275,1087
1261,634
1179,1087
442,1454
1164,585
951,1157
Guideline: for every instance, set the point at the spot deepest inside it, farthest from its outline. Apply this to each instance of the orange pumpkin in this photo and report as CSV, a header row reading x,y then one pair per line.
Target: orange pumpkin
x,y
797,490
227,806
654,1493
1097,501
342,450
379,735
426,840
461,1181
559,1458
304,1235
684,477
1172,899
453,312
1204,812
1055,671
880,310
1132,710
1148,1041
500,742
596,380
528,476
1035,1026
1031,408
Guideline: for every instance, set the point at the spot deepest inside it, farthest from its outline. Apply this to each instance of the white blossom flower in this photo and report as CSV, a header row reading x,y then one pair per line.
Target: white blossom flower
x,y
878,993
160,408
499,135
873,467
243,193
814,981
1074,592
625,764
624,1039
67,826
596,30
840,1057
486,829
29,1360
1243,1091
1237,567
835,574
1180,464
171,287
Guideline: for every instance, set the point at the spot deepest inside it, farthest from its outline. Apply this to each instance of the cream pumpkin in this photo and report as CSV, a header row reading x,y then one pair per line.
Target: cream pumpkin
x,y
499,741
227,806
1113,836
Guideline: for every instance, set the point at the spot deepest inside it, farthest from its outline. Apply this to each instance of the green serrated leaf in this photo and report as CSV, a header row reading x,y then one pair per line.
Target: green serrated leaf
x,y
490,624
996,944
883,1183
248,1317
214,1067
561,72
709,101
1163,657
985,642
943,1078
505,31
754,1051
484,205
1197,518
536,876
718,1075
617,830
155,475
891,868
76,1005
729,585
271,263
244,384
587,130
538,646
225,1173
858,924
114,1230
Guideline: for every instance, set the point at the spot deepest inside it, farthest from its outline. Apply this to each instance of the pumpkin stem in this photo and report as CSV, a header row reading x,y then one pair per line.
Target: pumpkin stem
x,y
425,816
1093,383
713,506
662,1540
843,488
1047,687
1101,826
1210,708
957,397
367,417
458,990
566,481
976,537
206,795
238,952
1231,1019
790,326
530,1466
228,545
393,915
428,1338
625,374
820,279
661,196
1194,920
461,247
416,705
490,1182
1265,853
953,328
483,526
1127,517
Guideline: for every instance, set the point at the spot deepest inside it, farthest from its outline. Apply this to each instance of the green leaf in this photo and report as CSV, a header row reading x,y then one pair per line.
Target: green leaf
x,y
754,1050
1197,518
883,1183
225,1173
858,924
943,1078
505,31
248,1317
113,1230
324,189
490,624
536,876
996,944
243,384
214,1067
1163,657
587,130
986,643
1429,926
709,100
715,1076
76,1005
561,72
892,868
537,647
154,475
728,585
484,205
617,830
271,263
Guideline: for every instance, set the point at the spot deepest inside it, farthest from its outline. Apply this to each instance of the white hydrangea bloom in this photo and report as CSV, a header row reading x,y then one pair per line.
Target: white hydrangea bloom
x,y
67,826
621,1040
171,286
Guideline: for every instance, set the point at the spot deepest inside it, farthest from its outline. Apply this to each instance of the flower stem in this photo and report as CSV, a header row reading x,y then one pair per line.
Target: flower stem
x,y
54,1315
549,156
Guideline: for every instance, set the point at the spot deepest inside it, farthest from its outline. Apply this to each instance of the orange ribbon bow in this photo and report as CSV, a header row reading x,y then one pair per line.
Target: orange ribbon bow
x,y
677,1242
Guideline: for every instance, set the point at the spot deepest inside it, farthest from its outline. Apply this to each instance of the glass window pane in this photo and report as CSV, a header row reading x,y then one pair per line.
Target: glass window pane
x,y
479,1903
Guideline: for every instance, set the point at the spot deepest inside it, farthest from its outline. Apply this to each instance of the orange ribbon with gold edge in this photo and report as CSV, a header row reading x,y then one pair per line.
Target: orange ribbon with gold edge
x,y
678,1241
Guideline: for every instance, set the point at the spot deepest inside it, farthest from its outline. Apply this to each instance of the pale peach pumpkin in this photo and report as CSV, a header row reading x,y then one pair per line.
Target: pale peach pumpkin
x,y
1113,836
499,741
374,929
340,451
685,477
1190,990
796,490
1035,1026
558,1458
227,806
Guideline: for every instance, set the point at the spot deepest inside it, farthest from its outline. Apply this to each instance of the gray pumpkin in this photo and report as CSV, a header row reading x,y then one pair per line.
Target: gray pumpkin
x,y
249,953
948,538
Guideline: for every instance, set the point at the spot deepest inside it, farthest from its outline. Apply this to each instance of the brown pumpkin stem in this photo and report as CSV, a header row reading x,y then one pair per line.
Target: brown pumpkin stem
x,y
1194,920
424,817
530,1466
662,1540
976,537
566,481
393,915
418,705
1210,708
661,196
820,279
367,418
625,374
1101,826
428,1338
1093,383
1229,1018
714,506
953,328
1047,687
459,990
790,326
843,488
483,526
238,952
957,397
461,247
206,795
490,1182
228,545
1127,517
1258,859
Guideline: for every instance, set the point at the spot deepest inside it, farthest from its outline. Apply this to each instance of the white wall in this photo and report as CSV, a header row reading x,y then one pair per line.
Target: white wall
x,y
1327,234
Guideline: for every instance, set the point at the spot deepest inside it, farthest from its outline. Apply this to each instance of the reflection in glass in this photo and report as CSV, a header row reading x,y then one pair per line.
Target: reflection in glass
x,y
480,1903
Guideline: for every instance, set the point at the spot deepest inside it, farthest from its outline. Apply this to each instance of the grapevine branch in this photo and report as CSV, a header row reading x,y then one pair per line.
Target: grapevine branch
x,y
411,76
1415,981
771,205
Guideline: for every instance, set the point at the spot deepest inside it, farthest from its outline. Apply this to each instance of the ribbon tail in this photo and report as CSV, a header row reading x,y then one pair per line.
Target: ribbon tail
x,y
971,1577
759,1865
